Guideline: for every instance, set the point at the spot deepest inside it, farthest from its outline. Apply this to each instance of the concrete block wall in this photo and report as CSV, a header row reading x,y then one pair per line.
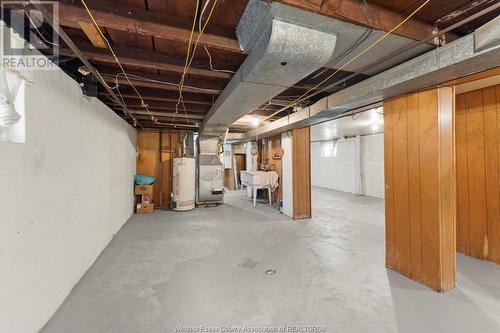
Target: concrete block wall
x,y
64,193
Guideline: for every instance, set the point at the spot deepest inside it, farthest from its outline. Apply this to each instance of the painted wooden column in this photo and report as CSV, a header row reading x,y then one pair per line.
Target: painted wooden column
x,y
301,170
420,190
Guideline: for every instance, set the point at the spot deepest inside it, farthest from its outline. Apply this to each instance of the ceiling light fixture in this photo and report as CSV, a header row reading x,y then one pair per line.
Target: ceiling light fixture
x,y
255,122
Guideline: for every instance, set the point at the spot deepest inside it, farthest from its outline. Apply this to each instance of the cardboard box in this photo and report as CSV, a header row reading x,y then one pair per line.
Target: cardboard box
x,y
146,198
144,189
145,208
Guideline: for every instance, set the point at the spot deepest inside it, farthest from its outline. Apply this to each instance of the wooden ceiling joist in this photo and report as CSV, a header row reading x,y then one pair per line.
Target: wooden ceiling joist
x,y
145,59
372,16
164,82
145,22
171,115
166,106
167,97
146,84
191,125
93,35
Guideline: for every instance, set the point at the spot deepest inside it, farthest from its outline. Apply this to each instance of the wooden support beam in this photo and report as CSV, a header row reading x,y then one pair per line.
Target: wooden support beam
x,y
178,126
165,82
383,19
145,22
166,97
420,195
93,35
132,103
141,114
145,59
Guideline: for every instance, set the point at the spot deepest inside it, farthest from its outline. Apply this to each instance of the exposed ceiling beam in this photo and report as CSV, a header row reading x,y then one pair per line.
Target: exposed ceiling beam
x,y
64,36
145,22
164,106
175,116
312,87
146,84
167,97
163,82
465,9
144,59
155,126
93,35
353,11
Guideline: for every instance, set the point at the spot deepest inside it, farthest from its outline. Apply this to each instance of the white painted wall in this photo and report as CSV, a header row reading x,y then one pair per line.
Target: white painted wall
x,y
287,175
64,193
372,147
339,172
335,172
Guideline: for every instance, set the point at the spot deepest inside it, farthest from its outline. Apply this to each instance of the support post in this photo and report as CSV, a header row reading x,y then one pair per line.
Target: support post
x,y
420,206
301,169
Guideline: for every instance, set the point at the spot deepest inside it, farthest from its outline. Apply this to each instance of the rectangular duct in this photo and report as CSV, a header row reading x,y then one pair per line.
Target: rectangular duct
x,y
280,54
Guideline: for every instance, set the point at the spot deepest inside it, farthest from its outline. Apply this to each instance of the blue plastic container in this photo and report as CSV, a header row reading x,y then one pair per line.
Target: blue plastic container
x,y
144,179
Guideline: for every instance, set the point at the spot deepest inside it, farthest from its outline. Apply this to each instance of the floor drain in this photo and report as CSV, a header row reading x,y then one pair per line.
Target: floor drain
x,y
250,263
271,272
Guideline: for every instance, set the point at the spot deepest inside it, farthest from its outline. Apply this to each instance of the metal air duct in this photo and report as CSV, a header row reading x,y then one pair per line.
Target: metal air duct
x,y
284,45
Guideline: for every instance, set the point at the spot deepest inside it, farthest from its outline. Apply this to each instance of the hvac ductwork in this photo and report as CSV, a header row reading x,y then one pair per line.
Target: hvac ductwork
x,y
284,45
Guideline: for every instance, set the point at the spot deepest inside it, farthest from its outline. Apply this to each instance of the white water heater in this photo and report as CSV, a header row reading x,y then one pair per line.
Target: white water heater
x,y
183,187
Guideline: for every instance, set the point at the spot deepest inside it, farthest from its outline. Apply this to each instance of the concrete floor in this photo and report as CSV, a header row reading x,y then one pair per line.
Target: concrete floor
x,y
185,269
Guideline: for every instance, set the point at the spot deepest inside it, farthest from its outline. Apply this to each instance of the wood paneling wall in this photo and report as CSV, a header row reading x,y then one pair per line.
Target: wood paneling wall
x,y
301,169
478,187
155,153
272,154
420,187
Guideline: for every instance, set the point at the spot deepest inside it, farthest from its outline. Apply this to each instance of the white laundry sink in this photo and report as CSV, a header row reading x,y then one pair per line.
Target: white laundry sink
x,y
256,178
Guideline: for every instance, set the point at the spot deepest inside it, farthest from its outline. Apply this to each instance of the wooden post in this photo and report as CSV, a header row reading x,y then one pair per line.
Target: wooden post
x,y
478,187
301,169
420,192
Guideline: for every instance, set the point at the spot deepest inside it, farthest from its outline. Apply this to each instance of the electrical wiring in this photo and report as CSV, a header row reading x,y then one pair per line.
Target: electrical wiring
x,y
206,49
104,82
303,96
200,19
212,67
144,105
115,77
180,100
126,112
40,33
358,42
